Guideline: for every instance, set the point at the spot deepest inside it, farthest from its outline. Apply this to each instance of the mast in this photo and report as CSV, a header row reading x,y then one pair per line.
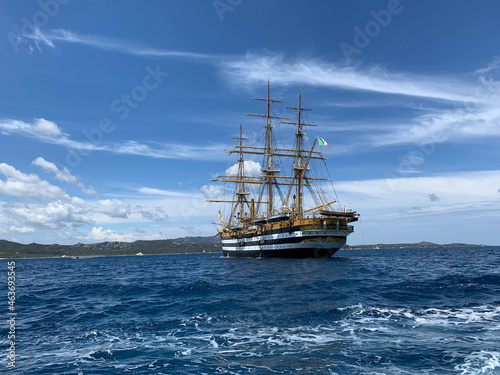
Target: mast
x,y
269,170
241,193
299,167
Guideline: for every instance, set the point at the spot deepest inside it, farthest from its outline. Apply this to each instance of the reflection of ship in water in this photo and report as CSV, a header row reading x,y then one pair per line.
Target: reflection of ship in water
x,y
268,217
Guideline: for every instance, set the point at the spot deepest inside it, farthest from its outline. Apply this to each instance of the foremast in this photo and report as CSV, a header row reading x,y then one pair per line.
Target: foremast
x,y
241,193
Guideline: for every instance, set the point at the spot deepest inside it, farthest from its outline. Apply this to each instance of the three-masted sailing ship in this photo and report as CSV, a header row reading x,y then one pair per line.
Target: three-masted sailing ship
x,y
270,213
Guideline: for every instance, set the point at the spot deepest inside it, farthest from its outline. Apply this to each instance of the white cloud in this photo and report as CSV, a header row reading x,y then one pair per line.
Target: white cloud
x,y
255,69
167,193
22,229
47,128
477,115
53,215
119,209
402,194
478,121
39,128
26,185
169,150
492,66
212,191
100,234
251,168
73,213
110,44
61,211
401,209
475,112
155,214
62,174
113,208
48,132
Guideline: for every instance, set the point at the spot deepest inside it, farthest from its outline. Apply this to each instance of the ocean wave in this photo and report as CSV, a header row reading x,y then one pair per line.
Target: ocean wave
x,y
430,316
482,362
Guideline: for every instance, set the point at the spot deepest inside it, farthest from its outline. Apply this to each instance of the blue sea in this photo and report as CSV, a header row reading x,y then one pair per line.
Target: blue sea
x,y
404,311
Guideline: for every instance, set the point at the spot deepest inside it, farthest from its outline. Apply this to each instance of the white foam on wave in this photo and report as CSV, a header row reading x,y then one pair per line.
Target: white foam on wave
x,y
482,362
213,343
298,338
459,317
487,314
360,323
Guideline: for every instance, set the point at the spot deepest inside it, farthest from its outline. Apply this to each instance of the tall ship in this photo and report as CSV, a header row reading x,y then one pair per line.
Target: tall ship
x,y
282,204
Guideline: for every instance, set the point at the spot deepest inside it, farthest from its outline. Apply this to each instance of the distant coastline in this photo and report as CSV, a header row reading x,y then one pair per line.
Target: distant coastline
x,y
182,245
418,245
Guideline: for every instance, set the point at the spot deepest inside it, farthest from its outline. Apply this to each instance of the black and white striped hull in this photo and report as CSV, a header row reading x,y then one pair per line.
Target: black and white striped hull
x,y
296,244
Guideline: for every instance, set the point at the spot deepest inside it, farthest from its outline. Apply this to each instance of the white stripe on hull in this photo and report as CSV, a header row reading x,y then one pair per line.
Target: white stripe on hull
x,y
296,234
308,245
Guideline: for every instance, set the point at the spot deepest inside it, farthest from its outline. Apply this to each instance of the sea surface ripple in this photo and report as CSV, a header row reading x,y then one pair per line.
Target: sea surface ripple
x,y
404,311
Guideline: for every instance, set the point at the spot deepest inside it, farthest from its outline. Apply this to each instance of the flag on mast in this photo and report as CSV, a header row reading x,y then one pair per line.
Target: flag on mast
x,y
322,142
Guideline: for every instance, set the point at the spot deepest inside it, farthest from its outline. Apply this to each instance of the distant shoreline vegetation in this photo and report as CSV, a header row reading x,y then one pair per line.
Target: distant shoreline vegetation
x,y
10,249
190,245
418,245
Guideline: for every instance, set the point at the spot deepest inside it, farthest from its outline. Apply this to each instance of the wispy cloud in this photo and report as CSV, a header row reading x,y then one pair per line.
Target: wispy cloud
x,y
169,150
456,108
110,44
472,210
470,120
256,68
166,193
492,66
62,174
462,124
49,132
405,193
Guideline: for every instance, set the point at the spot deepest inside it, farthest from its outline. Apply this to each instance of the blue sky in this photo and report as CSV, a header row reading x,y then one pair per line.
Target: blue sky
x,y
114,115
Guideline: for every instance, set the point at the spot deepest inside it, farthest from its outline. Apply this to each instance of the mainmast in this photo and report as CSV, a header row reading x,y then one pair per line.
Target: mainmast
x,y
269,170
